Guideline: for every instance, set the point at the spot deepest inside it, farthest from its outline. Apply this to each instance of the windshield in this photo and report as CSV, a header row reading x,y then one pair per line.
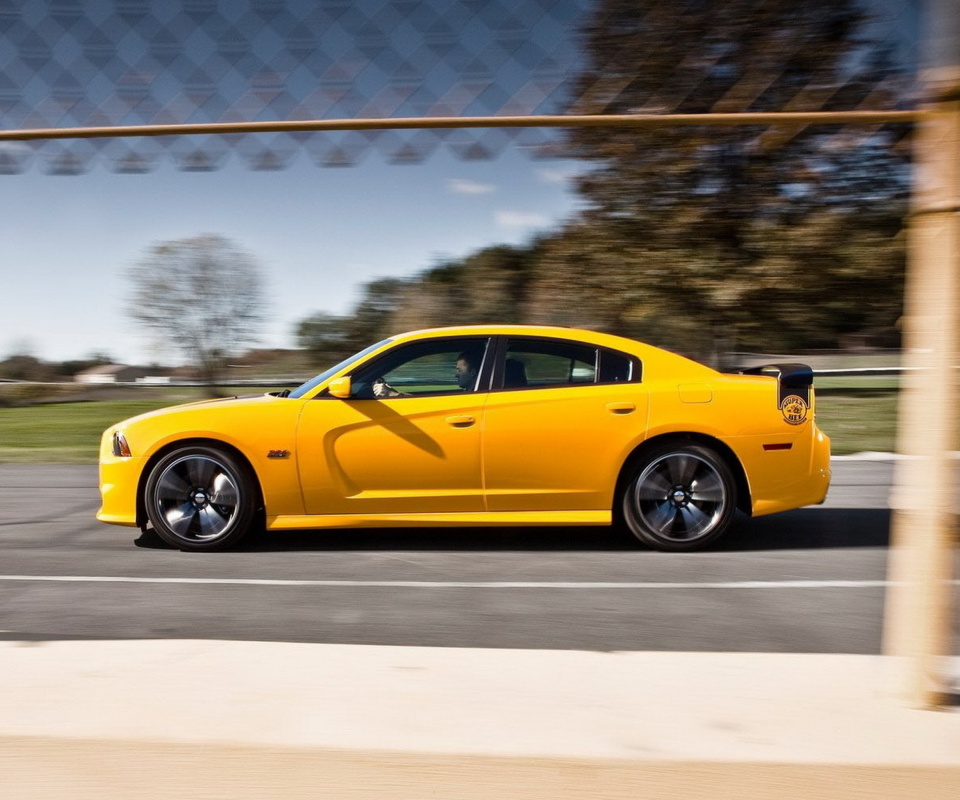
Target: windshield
x,y
313,383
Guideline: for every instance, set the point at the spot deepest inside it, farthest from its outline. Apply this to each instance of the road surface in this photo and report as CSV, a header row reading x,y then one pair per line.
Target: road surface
x,y
809,581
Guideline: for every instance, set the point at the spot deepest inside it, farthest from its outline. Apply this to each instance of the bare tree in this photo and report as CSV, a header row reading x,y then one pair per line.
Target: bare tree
x,y
203,296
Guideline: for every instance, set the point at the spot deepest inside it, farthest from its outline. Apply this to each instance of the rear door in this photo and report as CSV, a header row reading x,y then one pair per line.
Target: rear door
x,y
561,419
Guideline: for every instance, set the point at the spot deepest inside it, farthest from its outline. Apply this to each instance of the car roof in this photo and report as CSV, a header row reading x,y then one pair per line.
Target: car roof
x,y
548,331
647,352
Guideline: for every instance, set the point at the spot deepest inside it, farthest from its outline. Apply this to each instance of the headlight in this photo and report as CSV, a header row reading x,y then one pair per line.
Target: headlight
x,y
120,447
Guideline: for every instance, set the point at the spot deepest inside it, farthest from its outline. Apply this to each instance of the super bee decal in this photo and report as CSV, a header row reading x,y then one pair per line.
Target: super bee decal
x,y
794,409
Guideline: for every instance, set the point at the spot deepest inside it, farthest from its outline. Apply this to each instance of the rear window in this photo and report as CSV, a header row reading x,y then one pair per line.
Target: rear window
x,y
539,363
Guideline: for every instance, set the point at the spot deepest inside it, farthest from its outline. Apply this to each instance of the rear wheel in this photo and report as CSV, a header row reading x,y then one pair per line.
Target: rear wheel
x,y
200,498
679,497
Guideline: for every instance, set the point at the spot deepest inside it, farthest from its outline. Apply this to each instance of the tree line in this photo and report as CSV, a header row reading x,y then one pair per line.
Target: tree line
x,y
705,240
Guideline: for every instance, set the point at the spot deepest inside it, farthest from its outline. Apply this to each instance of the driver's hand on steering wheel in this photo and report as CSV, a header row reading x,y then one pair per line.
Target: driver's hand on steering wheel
x,y
383,389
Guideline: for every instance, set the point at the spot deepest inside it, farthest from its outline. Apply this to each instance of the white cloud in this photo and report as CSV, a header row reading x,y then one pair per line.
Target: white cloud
x,y
15,148
554,175
520,219
460,186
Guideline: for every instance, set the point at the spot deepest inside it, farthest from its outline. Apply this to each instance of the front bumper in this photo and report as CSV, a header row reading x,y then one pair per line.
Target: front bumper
x,y
119,481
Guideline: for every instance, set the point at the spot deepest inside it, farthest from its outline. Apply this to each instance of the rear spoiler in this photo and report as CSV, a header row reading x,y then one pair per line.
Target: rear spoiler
x,y
793,379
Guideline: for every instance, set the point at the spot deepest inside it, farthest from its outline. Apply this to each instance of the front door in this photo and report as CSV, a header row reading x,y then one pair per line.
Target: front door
x,y
407,441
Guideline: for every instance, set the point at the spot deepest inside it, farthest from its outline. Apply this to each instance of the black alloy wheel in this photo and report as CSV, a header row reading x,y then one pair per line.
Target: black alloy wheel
x,y
200,498
679,497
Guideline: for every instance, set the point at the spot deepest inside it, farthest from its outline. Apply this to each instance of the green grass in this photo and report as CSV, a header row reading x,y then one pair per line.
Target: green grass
x,y
857,423
859,414
64,433
69,433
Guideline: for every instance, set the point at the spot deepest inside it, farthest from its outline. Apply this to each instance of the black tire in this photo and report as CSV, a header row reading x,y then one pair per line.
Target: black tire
x,y
679,497
201,498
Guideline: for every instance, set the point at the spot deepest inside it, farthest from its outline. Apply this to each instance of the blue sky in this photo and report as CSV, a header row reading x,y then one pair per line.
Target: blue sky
x,y
67,242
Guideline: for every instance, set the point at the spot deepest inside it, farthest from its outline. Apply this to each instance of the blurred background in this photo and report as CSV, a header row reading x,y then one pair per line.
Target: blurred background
x,y
264,258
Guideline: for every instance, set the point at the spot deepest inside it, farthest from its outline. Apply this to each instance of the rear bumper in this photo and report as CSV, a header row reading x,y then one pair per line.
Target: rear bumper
x,y
795,478
820,465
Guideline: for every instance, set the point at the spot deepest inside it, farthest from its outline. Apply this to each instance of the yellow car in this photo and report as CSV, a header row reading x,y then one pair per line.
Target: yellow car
x,y
481,425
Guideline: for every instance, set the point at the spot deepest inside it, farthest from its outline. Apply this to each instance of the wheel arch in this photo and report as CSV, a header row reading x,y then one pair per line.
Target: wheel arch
x,y
169,447
744,500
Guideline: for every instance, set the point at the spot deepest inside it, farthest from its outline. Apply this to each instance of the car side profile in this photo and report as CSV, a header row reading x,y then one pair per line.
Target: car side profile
x,y
478,425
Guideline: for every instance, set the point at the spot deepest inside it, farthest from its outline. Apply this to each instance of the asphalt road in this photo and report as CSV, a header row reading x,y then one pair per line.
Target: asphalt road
x,y
804,581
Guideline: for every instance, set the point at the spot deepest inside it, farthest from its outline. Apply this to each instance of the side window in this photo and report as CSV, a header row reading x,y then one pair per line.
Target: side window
x,y
430,367
538,363
618,368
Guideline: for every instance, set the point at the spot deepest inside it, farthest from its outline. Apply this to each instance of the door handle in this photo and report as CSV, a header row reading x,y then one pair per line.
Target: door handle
x,y
621,408
460,421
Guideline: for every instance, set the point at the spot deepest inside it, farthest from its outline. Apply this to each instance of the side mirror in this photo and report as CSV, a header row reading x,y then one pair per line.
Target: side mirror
x,y
340,388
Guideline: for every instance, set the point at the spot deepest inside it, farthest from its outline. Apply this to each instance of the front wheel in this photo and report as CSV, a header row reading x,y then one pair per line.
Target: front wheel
x,y
679,497
200,498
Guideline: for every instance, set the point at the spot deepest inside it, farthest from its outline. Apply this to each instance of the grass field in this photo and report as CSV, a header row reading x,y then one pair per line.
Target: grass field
x,y
64,433
857,423
856,420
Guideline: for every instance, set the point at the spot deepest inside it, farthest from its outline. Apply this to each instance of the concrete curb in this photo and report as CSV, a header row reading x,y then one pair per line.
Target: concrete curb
x,y
873,455
94,770
252,719
868,455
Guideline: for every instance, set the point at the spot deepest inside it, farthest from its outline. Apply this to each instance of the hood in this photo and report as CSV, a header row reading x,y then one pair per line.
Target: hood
x,y
250,400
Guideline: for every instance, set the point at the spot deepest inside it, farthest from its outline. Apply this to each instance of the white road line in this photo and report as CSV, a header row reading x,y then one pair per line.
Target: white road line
x,y
834,584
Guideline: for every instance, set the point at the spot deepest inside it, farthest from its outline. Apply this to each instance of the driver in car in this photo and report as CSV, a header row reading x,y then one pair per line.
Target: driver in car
x,y
466,372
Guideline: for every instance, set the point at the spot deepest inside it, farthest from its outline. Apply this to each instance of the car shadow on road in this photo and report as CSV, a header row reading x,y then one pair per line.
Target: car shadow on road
x,y
809,528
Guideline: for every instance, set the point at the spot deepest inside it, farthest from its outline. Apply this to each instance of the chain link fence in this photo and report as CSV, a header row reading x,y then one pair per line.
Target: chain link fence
x,y
67,63
92,63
